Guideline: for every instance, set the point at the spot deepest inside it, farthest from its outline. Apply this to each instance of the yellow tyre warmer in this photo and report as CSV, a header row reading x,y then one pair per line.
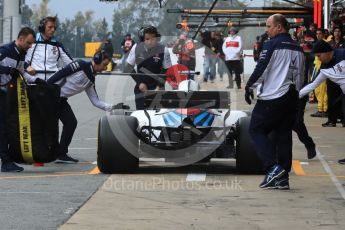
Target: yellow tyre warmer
x,y
32,122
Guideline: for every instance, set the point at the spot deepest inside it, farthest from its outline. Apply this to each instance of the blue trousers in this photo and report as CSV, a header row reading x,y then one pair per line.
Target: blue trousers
x,y
210,67
299,126
4,155
275,117
69,122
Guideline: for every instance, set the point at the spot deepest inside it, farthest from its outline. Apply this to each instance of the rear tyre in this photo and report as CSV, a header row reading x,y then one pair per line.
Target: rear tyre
x,y
117,150
247,160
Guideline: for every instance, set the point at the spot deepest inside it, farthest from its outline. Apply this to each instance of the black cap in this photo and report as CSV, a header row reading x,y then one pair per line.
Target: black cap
x,y
321,47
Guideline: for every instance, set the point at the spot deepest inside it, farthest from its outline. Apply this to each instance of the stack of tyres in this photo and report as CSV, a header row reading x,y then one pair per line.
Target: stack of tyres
x,y
32,121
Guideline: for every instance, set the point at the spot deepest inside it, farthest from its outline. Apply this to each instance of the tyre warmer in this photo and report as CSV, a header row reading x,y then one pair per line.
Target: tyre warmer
x,y
32,121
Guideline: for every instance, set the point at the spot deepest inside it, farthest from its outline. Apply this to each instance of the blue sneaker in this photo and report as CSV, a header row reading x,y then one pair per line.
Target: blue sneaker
x,y
272,175
282,183
342,161
10,167
65,159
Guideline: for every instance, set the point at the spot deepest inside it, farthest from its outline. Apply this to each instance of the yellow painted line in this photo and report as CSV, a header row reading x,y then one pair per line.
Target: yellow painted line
x,y
297,168
322,175
94,171
86,163
42,176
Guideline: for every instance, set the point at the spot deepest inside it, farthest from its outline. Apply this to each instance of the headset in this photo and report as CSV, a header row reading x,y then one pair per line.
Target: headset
x,y
143,30
42,25
98,57
43,22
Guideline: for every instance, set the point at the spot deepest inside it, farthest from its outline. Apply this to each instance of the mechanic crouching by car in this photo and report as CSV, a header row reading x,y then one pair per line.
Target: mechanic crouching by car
x,y
75,78
12,57
279,74
151,57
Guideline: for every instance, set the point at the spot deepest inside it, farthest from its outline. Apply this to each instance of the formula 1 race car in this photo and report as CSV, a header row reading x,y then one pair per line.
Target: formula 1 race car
x,y
182,127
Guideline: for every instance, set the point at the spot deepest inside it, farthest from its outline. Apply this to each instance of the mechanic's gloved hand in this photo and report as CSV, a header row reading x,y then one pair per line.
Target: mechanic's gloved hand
x,y
39,81
14,73
120,106
248,94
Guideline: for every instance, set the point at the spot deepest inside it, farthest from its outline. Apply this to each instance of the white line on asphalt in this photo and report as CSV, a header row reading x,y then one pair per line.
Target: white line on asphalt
x,y
68,211
223,160
328,169
324,146
196,177
148,159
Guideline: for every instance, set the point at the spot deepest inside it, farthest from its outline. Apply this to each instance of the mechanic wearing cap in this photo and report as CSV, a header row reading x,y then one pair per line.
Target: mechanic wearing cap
x,y
232,48
45,55
332,68
126,46
150,57
12,57
75,78
279,72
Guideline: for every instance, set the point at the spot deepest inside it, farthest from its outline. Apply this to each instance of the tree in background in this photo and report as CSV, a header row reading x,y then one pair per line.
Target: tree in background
x,y
26,16
128,17
39,12
101,29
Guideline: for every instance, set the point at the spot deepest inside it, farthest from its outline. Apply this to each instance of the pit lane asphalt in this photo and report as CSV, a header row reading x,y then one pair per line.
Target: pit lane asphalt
x,y
198,197
45,197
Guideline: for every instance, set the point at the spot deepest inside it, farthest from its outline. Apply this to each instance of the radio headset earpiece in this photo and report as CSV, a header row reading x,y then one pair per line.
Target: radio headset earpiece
x,y
42,25
151,29
98,57
141,34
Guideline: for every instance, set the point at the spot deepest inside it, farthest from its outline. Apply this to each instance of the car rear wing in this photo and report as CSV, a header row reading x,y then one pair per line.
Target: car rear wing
x,y
181,99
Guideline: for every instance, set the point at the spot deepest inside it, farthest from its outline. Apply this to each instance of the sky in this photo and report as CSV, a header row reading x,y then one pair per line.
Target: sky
x,y
68,8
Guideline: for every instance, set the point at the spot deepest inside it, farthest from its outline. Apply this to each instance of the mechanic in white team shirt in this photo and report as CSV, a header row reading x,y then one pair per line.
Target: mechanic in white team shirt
x,y
75,78
45,56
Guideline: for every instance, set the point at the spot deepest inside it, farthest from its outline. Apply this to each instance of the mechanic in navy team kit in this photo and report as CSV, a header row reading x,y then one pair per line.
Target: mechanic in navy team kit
x,y
332,68
12,57
75,78
46,54
278,75
151,57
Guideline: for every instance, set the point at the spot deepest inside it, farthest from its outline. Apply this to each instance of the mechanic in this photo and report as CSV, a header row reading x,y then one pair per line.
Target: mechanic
x,y
332,68
185,49
150,57
75,78
299,126
279,74
45,55
126,46
233,48
12,56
